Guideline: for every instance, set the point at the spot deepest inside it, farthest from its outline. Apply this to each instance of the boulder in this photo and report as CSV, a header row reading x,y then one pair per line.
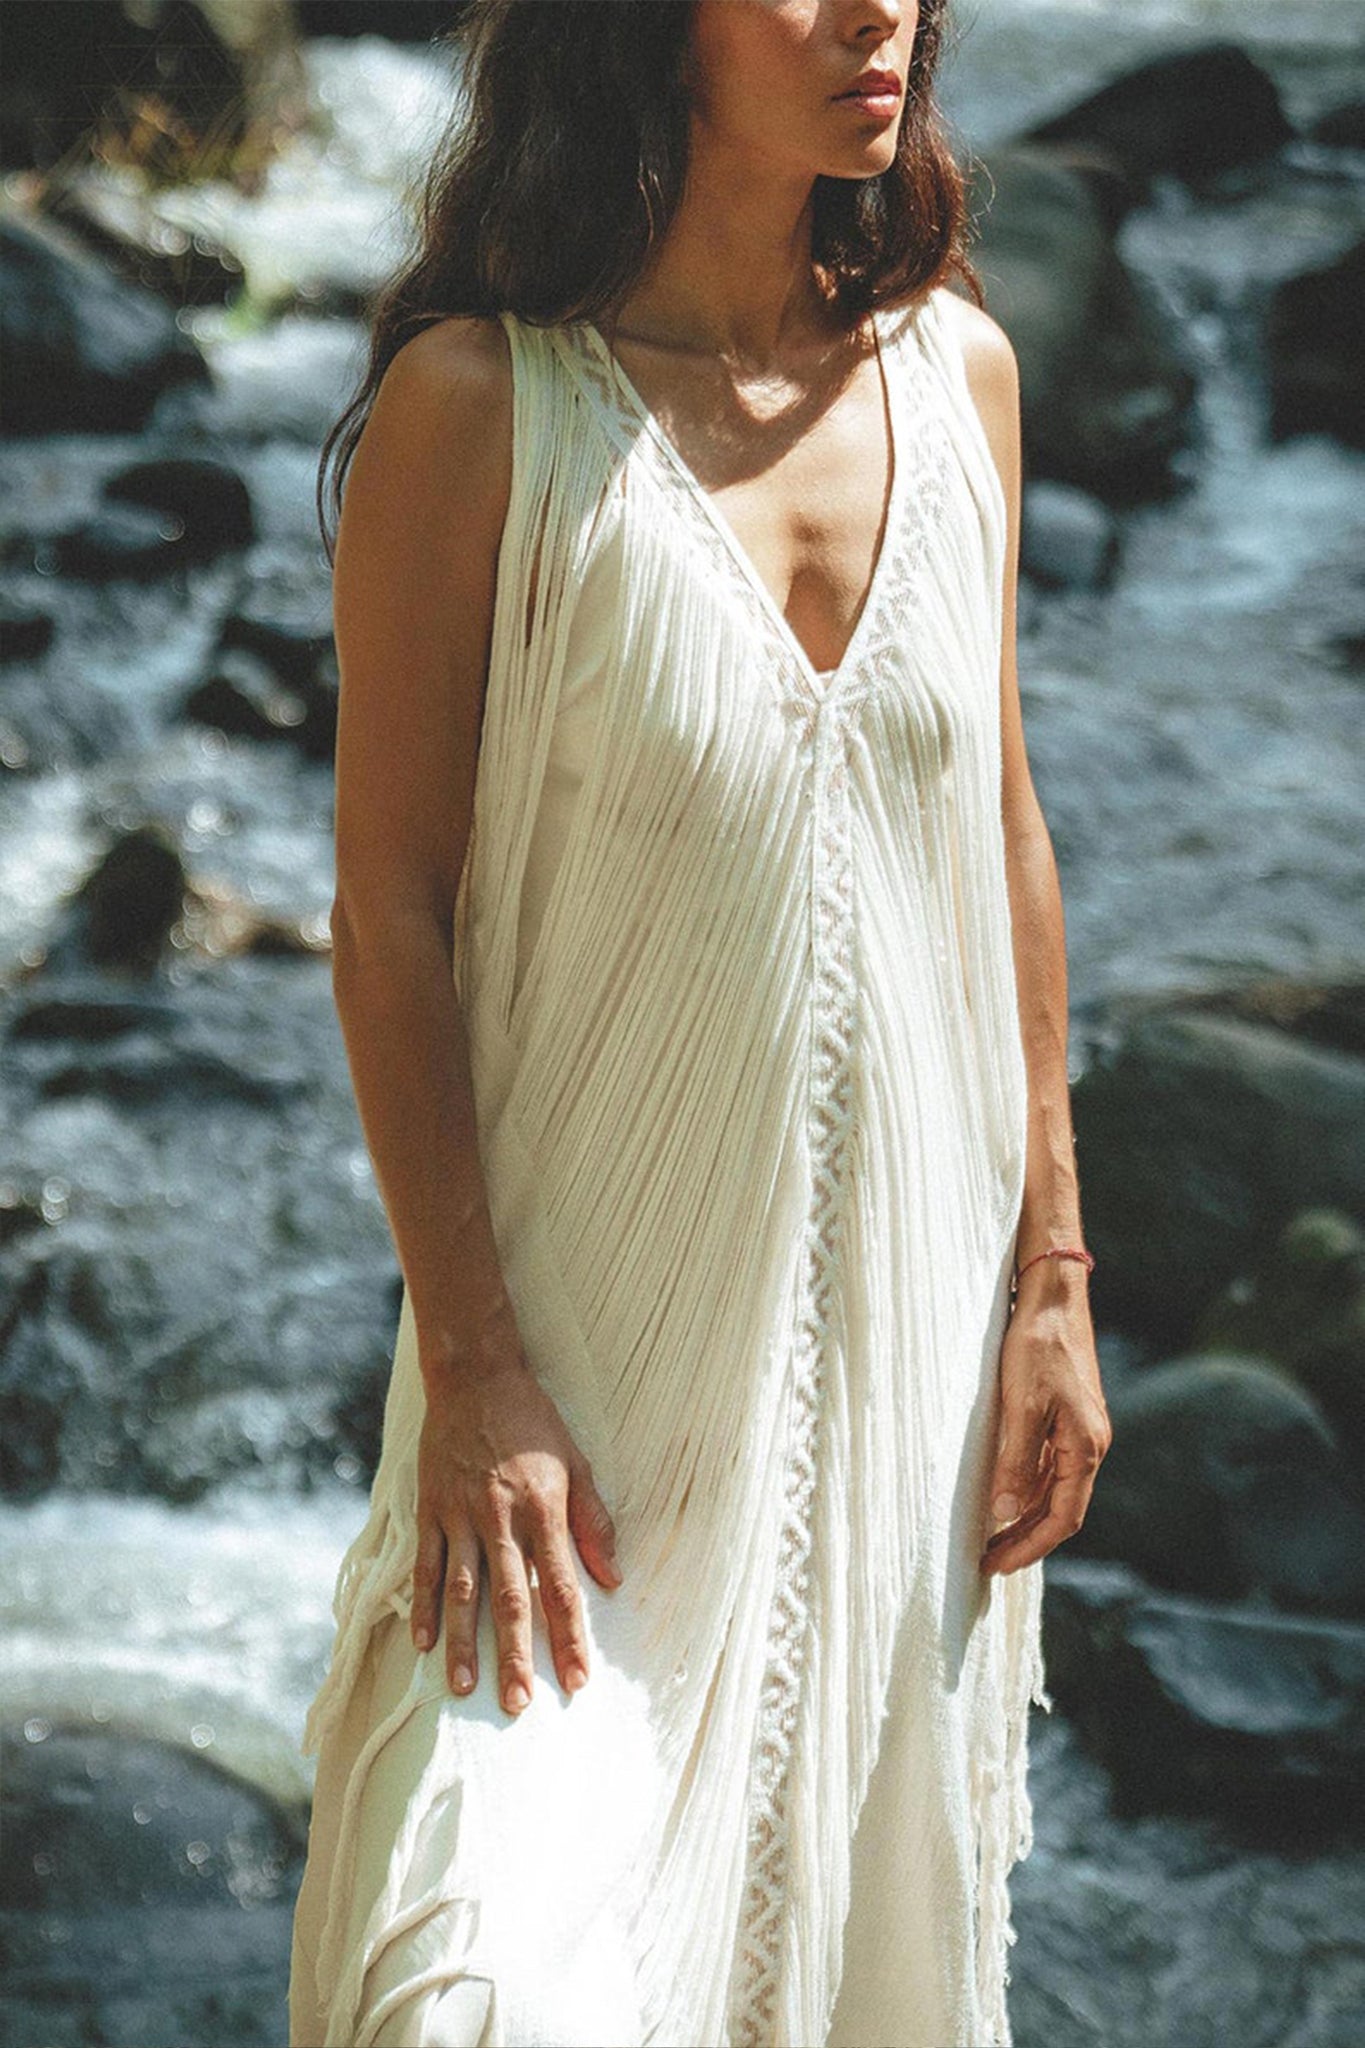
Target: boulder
x,y
1186,113
120,543
25,633
1225,1480
1105,394
124,910
180,1303
1304,1308
1315,348
1185,1930
294,638
1203,1126
243,695
1341,127
160,515
166,1372
85,351
1201,1705
263,685
208,500
1067,540
145,1895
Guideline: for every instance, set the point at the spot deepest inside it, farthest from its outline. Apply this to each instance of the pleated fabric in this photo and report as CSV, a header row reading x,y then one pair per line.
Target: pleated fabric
x,y
733,949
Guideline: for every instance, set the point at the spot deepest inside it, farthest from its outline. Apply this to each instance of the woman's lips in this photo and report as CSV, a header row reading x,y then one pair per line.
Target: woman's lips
x,y
877,93
882,101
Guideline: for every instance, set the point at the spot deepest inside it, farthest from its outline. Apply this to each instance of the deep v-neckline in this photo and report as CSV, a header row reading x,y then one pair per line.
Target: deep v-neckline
x,y
818,685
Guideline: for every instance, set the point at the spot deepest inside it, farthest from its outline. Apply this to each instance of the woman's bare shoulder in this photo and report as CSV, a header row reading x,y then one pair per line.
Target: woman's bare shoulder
x,y
457,354
413,598
449,387
987,356
438,438
992,373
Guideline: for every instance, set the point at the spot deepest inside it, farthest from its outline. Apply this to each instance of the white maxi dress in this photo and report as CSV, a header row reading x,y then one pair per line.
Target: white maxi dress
x,y
733,949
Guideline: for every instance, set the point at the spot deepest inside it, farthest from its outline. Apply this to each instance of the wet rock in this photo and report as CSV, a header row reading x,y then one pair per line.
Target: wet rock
x,y
85,352
122,917
1068,540
159,516
21,1211
273,674
146,1896
1105,395
121,541
1345,651
166,1369
45,107
92,1818
122,913
24,634
1330,1015
137,1070
1315,344
1304,1309
1341,127
200,1281
1187,113
1207,1706
1225,1480
1189,1931
243,696
89,1016
34,1392
208,500
16,755
297,643
140,1054
1201,1133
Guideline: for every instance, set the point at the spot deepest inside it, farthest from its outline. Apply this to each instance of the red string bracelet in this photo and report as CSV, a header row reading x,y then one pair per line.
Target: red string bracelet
x,y
1056,1251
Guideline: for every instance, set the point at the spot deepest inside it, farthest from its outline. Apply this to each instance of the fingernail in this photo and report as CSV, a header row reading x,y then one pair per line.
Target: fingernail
x,y
424,1636
614,1569
575,1676
517,1696
1005,1507
464,1677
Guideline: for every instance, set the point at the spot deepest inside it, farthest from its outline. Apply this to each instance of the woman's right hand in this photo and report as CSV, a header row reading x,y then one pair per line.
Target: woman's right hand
x,y
499,1476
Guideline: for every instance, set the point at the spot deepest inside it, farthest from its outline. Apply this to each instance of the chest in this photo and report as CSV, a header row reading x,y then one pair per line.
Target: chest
x,y
835,559
799,482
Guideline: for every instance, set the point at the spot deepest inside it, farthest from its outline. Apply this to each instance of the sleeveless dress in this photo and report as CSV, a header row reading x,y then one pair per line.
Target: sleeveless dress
x,y
733,950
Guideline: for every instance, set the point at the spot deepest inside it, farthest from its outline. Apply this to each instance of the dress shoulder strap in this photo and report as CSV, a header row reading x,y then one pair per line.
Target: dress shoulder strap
x,y
557,481
941,332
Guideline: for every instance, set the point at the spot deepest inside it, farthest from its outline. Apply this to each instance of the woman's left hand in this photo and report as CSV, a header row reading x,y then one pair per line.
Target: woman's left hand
x,y
1055,1425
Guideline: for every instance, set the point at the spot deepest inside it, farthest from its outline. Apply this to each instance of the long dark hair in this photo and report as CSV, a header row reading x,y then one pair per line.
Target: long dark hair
x,y
565,164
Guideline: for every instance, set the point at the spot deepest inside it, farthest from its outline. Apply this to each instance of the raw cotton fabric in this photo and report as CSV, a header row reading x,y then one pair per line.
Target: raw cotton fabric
x,y
733,948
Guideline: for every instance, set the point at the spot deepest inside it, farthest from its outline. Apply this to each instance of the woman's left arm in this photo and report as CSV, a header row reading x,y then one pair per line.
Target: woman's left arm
x,y
1055,1425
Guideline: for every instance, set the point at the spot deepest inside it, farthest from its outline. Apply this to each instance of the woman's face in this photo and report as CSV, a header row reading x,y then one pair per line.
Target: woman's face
x,y
767,75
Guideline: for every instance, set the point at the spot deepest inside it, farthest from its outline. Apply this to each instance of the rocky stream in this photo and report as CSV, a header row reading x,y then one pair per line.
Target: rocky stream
x,y
198,1291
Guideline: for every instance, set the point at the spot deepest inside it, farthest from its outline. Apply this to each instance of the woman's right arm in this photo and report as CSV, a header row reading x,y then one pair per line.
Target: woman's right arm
x,y
499,1478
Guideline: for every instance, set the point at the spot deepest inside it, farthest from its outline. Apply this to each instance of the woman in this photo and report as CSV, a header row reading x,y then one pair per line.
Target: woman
x,y
700,957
